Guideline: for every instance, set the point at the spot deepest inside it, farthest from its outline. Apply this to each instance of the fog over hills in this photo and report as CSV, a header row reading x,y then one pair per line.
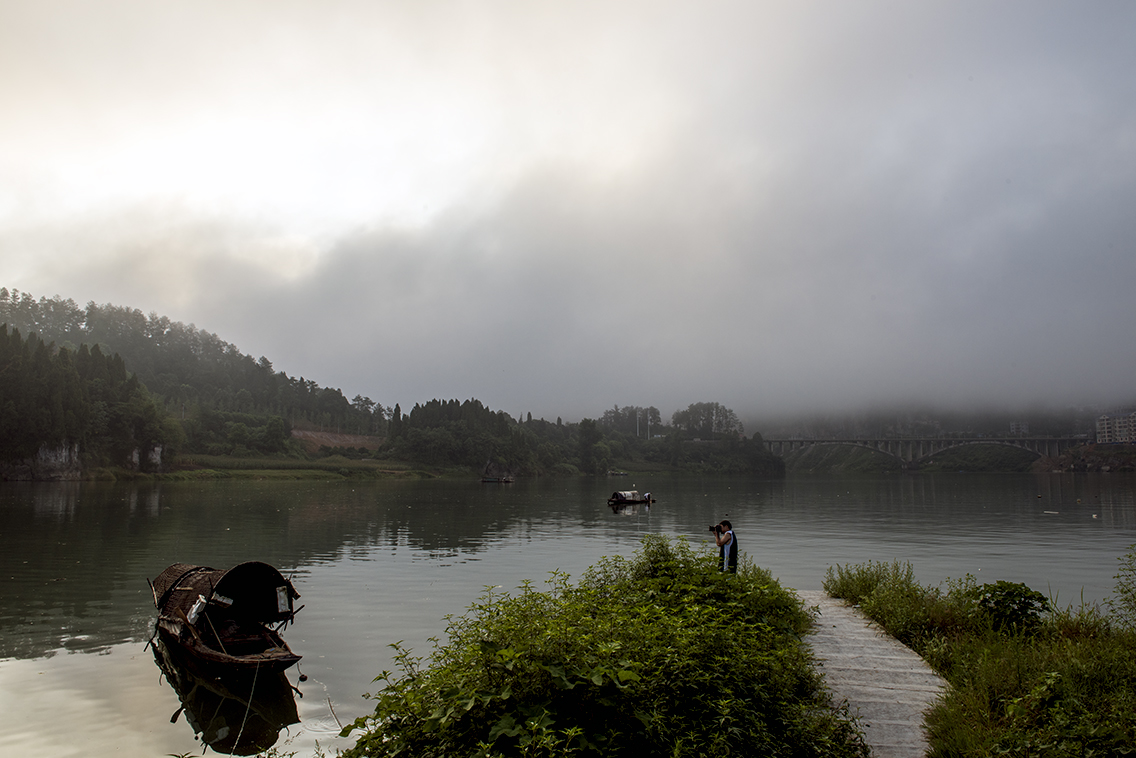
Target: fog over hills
x,y
791,209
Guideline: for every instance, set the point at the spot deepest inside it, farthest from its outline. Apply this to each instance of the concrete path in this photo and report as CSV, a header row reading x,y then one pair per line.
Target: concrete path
x,y
888,687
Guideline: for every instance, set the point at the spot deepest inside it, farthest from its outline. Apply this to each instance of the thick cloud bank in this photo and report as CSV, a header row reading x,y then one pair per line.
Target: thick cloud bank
x,y
784,208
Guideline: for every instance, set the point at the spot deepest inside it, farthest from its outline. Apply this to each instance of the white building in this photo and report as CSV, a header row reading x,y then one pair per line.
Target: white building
x,y
1116,429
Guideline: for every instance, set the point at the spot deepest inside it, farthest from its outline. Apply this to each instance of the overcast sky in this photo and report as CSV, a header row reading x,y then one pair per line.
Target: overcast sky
x,y
556,207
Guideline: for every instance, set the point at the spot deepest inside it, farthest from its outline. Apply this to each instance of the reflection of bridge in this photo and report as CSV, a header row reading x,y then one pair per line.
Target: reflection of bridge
x,y
916,449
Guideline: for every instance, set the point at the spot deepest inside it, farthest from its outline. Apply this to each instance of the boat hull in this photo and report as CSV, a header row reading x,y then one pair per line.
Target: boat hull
x,y
207,659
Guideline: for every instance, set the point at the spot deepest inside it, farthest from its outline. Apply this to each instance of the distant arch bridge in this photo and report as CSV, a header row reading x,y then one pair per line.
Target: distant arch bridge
x,y
914,450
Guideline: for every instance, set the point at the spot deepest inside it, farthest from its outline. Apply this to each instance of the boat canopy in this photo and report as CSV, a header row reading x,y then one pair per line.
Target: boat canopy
x,y
630,495
251,590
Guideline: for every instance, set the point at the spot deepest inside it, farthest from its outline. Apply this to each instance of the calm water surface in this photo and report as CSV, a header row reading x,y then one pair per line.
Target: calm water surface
x,y
382,562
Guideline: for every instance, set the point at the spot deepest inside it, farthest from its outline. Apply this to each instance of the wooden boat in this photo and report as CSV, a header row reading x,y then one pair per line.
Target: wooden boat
x,y
220,618
629,497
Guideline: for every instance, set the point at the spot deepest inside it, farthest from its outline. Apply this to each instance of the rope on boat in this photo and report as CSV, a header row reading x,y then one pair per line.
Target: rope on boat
x,y
248,707
219,642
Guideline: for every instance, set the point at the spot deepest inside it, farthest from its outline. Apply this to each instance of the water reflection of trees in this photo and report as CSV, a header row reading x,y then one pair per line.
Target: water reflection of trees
x,y
77,555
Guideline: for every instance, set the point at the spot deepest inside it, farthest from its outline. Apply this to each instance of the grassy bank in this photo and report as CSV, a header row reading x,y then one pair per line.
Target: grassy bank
x,y
1027,679
199,467
661,655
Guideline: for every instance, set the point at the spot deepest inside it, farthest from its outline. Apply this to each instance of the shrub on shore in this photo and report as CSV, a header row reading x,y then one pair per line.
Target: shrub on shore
x,y
661,655
1027,679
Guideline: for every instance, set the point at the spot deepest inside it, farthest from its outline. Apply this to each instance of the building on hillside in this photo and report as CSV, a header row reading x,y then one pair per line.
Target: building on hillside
x,y
1113,430
1020,428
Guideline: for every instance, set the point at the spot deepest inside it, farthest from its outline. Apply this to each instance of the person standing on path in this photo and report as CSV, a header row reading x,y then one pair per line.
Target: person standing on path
x,y
727,543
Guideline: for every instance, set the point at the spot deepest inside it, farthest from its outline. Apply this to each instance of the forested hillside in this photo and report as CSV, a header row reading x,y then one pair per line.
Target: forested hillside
x,y
188,390
198,377
62,400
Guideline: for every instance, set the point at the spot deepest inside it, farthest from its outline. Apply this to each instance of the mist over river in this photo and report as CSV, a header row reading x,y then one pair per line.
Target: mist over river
x,y
379,562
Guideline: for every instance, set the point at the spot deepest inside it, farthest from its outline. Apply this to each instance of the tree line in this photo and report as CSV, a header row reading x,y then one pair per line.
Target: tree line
x,y
208,397
57,398
188,369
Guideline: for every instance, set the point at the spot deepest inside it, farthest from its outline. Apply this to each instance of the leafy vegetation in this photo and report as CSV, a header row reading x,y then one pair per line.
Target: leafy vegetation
x,y
659,655
989,457
844,459
1027,679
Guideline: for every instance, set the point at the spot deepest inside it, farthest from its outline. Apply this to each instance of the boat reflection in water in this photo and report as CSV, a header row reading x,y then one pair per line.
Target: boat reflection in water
x,y
631,509
234,713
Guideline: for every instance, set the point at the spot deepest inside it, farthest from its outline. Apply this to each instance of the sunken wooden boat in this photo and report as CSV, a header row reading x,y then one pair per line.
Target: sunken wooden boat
x,y
222,618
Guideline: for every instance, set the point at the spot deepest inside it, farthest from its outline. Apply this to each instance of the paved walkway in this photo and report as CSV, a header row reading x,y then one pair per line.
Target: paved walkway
x,y
888,687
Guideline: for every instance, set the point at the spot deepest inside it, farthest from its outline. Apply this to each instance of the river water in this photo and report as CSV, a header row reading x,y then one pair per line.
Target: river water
x,y
383,562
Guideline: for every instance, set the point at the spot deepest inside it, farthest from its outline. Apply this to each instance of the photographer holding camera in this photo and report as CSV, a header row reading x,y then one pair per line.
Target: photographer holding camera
x,y
727,546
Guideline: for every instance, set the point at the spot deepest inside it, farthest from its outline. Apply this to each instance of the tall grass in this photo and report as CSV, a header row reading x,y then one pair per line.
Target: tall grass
x,y
1027,679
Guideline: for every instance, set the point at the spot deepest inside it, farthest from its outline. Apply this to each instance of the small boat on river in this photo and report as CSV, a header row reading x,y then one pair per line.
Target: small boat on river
x,y
221,618
629,497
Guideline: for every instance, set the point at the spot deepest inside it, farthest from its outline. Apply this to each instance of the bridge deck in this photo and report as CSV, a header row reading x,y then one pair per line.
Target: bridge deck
x,y
887,686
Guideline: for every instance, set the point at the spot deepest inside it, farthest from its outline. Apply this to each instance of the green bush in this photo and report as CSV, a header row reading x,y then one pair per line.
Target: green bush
x,y
662,655
1011,606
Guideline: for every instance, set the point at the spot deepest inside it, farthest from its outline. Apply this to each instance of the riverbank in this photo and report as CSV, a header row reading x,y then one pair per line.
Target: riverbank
x,y
1092,459
207,467
1026,678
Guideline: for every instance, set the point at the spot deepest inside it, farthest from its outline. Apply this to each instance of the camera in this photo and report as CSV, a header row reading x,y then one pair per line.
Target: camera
x,y
714,527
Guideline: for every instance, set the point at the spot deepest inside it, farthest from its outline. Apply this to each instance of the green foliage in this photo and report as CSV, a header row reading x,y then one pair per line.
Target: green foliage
x,y
1026,679
982,457
707,421
843,459
659,655
632,420
1123,601
225,433
1011,605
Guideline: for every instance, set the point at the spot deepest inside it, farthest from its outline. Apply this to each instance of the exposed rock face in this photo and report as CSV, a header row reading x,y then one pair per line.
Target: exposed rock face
x,y
153,459
59,463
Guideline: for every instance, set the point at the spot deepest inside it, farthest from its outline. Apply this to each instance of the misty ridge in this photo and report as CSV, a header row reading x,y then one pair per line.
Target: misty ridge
x,y
184,366
188,391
